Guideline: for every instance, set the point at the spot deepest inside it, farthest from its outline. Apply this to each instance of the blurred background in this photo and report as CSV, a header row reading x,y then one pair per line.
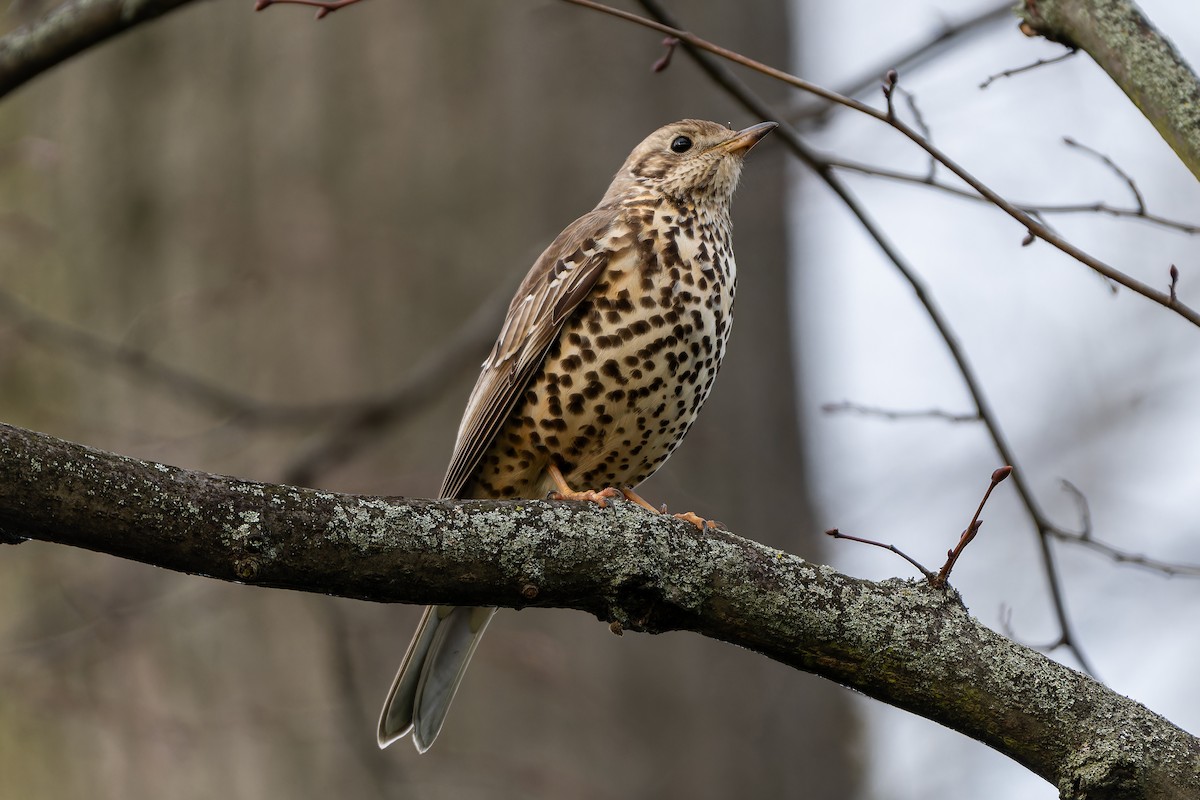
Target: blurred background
x,y
227,237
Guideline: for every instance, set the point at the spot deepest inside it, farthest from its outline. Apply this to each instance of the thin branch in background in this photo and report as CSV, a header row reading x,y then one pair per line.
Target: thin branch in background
x,y
421,385
323,7
1138,200
724,78
910,100
948,36
1028,221
94,350
972,529
1041,62
1085,509
846,406
351,433
1084,538
929,574
670,43
890,78
353,734
1006,627
1035,209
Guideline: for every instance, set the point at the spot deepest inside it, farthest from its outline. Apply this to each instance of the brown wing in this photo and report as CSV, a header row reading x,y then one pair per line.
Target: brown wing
x,y
556,284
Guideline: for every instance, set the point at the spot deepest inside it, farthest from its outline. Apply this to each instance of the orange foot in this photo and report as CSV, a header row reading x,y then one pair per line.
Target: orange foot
x,y
687,516
565,492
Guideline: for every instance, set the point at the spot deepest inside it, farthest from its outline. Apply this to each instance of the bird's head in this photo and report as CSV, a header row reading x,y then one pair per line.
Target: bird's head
x,y
690,160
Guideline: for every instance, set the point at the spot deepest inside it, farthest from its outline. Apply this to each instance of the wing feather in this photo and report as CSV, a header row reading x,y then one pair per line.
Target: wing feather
x,y
554,287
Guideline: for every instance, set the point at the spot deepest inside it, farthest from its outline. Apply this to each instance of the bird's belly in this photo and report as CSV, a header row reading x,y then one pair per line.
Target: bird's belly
x,y
616,394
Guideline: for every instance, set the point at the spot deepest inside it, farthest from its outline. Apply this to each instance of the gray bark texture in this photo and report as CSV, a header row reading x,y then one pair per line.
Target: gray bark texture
x,y
901,642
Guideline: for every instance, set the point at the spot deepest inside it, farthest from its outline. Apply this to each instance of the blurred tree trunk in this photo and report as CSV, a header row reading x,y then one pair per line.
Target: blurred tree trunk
x,y
302,211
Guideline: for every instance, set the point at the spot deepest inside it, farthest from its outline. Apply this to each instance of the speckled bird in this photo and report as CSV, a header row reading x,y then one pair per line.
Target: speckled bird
x,y
608,351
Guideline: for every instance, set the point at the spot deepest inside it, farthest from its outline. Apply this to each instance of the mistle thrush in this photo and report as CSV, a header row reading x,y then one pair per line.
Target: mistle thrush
x,y
606,355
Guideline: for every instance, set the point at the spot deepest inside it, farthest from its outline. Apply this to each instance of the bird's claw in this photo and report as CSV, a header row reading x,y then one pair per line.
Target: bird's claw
x,y
697,520
600,498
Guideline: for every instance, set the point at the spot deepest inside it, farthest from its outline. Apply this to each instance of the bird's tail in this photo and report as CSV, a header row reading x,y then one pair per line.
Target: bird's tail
x,y
431,673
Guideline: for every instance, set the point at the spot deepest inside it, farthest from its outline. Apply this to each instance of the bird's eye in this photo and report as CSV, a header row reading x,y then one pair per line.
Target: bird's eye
x,y
681,144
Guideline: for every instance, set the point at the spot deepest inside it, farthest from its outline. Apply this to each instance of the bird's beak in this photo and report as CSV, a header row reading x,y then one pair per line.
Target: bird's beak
x,y
741,142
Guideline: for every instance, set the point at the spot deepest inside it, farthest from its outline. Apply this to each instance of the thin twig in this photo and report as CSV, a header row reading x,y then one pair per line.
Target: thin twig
x,y
1041,62
1084,538
1137,195
968,535
669,45
351,433
846,406
890,78
921,52
1030,208
323,7
928,573
420,386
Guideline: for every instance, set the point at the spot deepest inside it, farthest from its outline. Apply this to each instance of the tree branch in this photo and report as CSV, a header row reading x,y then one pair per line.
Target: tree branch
x,y
1143,62
68,29
901,642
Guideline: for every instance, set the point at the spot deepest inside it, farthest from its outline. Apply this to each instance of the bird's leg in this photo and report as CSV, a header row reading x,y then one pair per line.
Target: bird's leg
x,y
634,497
565,492
687,516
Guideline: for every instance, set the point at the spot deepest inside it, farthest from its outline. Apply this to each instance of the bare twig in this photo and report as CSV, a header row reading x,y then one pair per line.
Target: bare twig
x,y
1138,200
94,350
910,100
1030,208
324,7
919,53
420,386
928,573
350,433
1084,538
1174,273
669,43
890,78
968,535
1027,221
1041,62
846,406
